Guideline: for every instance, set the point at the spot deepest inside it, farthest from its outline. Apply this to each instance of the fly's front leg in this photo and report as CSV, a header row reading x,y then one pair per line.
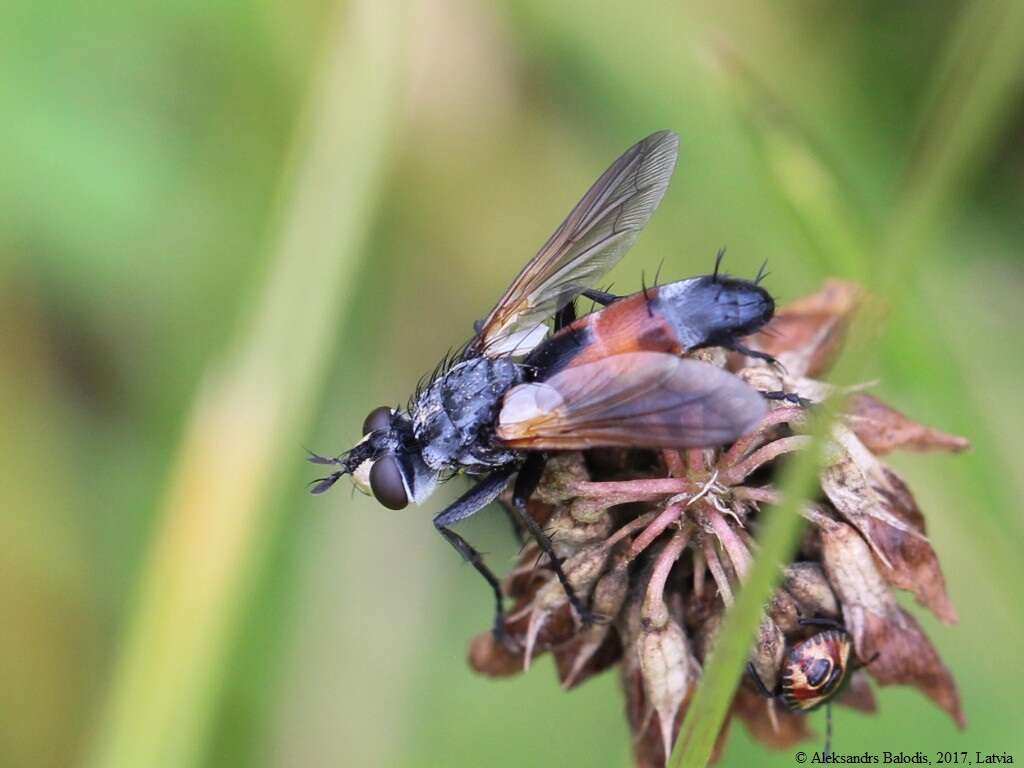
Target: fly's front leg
x,y
466,505
526,483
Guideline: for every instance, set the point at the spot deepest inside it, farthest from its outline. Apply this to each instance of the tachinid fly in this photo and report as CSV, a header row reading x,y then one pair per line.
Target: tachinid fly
x,y
618,377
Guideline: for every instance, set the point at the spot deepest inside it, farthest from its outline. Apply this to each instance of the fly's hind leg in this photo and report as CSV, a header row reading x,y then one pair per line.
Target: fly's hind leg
x,y
526,483
466,505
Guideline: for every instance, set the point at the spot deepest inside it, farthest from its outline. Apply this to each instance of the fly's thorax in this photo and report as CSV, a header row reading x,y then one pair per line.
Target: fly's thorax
x,y
453,419
712,310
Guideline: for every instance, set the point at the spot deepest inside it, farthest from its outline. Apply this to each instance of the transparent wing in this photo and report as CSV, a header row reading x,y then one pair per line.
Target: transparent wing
x,y
596,234
640,399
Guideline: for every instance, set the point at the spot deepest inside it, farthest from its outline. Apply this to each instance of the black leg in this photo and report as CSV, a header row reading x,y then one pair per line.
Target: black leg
x,y
526,484
601,297
565,316
513,521
787,397
858,664
822,622
468,504
735,346
528,479
828,730
760,684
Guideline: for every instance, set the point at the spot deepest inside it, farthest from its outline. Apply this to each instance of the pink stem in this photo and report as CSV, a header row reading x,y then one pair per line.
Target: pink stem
x,y
735,548
717,572
669,515
765,495
695,460
741,446
674,462
628,528
737,472
632,490
654,600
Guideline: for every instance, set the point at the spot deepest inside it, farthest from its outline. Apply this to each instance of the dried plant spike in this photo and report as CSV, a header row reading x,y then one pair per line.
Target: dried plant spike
x,y
668,671
884,429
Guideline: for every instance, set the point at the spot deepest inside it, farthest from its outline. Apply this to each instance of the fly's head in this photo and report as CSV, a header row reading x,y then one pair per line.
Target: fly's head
x,y
386,463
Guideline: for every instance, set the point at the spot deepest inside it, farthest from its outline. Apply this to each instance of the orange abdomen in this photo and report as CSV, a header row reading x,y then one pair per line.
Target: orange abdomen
x,y
629,325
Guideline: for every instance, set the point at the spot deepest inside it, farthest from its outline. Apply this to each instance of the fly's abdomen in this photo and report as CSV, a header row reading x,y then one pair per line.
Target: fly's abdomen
x,y
673,318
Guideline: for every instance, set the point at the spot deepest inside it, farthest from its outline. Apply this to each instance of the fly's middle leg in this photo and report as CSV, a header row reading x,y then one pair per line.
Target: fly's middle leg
x,y
526,483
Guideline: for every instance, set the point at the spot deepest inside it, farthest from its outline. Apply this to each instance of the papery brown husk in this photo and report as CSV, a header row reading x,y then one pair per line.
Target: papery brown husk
x,y
899,652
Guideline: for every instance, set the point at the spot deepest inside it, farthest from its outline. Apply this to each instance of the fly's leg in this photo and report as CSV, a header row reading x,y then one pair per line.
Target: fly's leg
x,y
565,316
466,505
787,397
513,521
526,483
735,346
760,683
820,622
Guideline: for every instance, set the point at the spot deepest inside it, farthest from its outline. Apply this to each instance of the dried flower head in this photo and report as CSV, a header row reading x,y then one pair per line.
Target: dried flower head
x,y
657,543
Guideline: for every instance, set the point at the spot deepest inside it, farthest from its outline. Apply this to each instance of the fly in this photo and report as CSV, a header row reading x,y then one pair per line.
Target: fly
x,y
617,377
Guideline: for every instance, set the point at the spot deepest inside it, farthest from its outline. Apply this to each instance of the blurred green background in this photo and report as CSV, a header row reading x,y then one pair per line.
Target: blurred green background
x,y
229,230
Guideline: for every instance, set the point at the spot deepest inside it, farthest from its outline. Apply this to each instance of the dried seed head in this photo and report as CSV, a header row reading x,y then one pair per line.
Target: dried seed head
x,y
657,542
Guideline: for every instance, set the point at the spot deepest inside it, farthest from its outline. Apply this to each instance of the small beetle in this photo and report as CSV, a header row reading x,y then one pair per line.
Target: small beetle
x,y
813,671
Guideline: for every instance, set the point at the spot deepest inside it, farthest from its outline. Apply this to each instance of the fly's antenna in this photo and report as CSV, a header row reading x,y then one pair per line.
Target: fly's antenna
x,y
718,262
315,458
324,483
762,273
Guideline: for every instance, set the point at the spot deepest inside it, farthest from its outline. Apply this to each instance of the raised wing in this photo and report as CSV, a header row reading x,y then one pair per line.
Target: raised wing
x,y
596,234
640,399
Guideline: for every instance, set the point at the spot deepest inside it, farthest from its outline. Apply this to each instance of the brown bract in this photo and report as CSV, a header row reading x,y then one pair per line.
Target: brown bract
x,y
657,543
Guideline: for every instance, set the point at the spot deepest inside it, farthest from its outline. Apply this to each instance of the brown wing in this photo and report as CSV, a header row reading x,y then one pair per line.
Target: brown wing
x,y
640,399
596,234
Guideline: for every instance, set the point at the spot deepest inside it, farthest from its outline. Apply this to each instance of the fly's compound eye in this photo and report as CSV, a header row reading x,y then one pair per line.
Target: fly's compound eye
x,y
379,418
386,482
